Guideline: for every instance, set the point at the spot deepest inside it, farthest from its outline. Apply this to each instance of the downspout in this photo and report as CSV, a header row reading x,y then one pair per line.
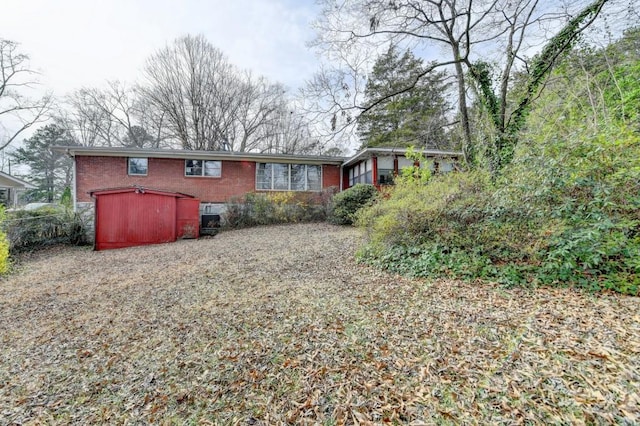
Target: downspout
x,y
73,185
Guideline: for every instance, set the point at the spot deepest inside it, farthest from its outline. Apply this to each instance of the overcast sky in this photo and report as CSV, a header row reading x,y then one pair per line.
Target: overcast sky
x,y
78,43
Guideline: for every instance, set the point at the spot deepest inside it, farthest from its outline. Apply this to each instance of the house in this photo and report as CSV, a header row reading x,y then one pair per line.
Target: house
x,y
213,177
10,187
216,177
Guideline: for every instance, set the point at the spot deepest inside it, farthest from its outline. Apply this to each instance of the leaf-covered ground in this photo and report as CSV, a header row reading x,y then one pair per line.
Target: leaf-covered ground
x,y
278,325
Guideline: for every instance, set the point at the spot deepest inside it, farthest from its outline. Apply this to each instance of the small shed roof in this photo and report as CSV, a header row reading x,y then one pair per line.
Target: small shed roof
x,y
8,181
139,190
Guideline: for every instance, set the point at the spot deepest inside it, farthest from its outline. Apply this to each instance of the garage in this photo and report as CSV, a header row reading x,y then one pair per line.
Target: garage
x,y
135,216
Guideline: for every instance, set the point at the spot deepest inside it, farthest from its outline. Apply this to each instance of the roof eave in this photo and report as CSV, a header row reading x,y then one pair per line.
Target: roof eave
x,y
367,152
21,183
188,154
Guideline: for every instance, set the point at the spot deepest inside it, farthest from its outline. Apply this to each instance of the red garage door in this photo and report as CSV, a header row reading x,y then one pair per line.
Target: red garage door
x,y
137,216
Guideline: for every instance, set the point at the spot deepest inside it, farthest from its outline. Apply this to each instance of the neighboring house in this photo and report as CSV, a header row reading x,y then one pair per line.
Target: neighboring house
x,y
216,177
10,187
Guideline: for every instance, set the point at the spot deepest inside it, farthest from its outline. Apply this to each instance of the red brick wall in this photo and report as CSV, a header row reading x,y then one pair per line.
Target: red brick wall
x,y
238,178
330,176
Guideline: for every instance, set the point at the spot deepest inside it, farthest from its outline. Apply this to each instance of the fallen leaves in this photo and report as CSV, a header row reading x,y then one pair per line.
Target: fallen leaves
x,y
278,325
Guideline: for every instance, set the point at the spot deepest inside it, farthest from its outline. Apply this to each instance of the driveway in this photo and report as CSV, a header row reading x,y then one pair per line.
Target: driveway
x,y
277,325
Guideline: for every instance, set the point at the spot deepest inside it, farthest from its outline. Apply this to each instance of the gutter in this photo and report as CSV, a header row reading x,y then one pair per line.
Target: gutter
x,y
197,155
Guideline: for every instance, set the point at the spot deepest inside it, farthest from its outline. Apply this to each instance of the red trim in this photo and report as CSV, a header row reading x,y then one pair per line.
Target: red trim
x,y
345,178
374,171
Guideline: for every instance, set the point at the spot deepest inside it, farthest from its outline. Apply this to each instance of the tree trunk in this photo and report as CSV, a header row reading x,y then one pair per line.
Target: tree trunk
x,y
467,146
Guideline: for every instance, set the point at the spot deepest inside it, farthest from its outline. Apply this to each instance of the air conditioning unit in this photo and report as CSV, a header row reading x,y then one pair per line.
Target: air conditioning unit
x,y
209,223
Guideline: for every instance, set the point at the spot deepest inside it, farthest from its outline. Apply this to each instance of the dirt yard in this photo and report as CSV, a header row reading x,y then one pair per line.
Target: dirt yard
x,y
279,325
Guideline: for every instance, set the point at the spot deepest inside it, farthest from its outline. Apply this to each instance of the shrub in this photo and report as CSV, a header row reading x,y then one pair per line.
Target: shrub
x,y
566,218
254,209
565,212
27,229
4,246
347,203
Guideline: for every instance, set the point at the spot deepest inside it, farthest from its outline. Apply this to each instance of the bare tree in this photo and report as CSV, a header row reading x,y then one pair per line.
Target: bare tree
x,y
90,119
500,32
195,86
334,97
259,106
17,111
288,133
113,116
208,103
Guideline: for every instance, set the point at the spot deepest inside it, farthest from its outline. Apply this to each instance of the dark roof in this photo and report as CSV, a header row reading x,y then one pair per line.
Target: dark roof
x,y
196,155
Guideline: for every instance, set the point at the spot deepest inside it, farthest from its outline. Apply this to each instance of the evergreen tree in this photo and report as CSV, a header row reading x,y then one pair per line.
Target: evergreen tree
x,y
50,171
404,117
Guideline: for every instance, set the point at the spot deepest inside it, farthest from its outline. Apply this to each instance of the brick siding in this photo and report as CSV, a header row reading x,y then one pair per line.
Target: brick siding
x,y
238,178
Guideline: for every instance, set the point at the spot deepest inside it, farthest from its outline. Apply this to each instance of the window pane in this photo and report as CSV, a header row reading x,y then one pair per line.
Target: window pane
x,y
385,176
280,176
193,167
385,162
298,177
263,176
446,166
314,175
212,168
427,164
367,178
404,162
138,166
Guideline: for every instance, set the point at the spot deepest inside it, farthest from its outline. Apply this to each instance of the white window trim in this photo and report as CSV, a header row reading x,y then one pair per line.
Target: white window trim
x,y
203,169
306,178
129,166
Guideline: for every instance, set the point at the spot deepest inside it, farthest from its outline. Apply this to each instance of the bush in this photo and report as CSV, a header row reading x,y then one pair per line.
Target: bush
x,y
255,209
565,212
27,229
568,217
4,246
347,203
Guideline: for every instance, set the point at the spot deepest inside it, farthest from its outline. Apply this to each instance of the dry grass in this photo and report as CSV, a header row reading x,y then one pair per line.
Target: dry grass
x,y
277,325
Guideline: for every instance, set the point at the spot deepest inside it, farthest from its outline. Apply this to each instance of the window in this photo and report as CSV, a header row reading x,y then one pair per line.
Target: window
x,y
207,168
213,168
281,176
298,178
137,166
314,178
385,176
288,177
361,173
263,176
